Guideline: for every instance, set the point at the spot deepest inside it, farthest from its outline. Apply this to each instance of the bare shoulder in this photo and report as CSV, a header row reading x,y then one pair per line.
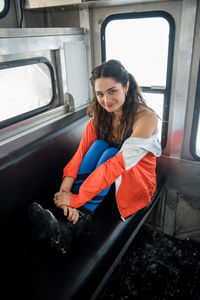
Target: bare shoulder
x,y
147,114
145,123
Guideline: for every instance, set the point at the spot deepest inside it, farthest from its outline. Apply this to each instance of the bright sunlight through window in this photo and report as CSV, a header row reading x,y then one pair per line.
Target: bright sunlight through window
x,y
2,5
24,88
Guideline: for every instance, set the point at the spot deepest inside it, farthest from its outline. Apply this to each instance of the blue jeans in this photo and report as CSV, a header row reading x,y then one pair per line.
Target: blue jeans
x,y
99,152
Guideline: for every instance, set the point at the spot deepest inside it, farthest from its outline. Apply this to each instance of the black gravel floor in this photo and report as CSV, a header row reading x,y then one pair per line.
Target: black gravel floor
x,y
156,268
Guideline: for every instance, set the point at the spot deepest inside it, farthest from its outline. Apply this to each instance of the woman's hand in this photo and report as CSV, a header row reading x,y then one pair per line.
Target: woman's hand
x,y
72,214
62,200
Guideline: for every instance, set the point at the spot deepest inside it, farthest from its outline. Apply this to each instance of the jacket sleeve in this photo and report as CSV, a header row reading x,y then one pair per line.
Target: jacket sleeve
x,y
101,178
88,138
132,151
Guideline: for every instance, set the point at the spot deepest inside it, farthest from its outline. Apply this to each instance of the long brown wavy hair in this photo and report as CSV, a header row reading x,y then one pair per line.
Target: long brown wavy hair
x,y
103,119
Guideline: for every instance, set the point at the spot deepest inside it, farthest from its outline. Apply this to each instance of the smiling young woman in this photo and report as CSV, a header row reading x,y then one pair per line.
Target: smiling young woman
x,y
119,145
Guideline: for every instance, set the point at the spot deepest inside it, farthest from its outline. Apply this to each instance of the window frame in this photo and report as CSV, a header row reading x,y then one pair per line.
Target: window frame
x,y
167,91
34,112
196,117
4,12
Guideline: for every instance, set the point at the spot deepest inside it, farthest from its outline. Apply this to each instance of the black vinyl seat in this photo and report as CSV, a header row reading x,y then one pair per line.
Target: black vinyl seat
x,y
41,273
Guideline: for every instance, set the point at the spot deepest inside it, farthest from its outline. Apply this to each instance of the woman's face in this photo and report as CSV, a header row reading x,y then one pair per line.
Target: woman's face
x,y
110,94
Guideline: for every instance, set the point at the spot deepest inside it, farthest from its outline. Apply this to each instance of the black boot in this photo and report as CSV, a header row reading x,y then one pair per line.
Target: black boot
x,y
44,220
84,221
58,229
69,231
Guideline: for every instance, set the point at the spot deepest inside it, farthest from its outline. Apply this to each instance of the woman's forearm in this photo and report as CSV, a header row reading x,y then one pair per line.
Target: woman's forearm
x,y
67,184
62,198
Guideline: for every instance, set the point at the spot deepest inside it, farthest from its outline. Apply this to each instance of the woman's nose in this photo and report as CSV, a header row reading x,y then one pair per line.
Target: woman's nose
x,y
107,98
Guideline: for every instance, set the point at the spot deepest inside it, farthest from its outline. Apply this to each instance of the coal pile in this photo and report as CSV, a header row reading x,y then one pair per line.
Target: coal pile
x,y
156,267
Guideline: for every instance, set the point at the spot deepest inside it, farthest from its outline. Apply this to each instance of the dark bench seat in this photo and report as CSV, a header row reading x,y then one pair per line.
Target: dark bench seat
x,y
31,269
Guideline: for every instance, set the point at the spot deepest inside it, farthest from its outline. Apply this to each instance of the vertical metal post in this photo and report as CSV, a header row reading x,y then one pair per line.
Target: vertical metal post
x,y
48,17
184,61
19,14
61,76
84,15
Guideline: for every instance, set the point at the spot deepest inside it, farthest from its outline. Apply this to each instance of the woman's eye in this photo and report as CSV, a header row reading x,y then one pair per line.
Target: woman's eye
x,y
99,95
112,92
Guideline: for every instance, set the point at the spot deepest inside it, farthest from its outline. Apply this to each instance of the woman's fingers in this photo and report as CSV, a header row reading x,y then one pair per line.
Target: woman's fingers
x,y
73,215
70,213
56,198
65,210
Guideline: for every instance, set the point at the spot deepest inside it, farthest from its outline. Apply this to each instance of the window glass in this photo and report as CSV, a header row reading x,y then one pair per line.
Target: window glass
x,y
142,47
2,5
24,88
156,102
198,139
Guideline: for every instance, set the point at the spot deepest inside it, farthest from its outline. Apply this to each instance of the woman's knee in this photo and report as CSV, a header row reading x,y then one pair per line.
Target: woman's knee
x,y
92,156
107,154
100,144
97,149
111,151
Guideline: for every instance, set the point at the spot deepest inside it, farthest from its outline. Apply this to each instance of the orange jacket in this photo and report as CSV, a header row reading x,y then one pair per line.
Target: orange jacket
x,y
132,169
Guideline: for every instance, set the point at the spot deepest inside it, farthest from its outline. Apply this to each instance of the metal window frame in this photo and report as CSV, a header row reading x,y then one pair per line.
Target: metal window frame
x,y
167,90
5,10
34,112
195,121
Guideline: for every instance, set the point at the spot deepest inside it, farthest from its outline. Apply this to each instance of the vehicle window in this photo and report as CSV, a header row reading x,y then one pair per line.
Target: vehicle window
x,y
195,135
4,7
156,102
25,88
143,43
198,139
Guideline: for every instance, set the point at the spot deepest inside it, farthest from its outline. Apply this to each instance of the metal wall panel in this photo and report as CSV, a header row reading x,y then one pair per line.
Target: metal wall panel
x,y
31,4
182,81
77,72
